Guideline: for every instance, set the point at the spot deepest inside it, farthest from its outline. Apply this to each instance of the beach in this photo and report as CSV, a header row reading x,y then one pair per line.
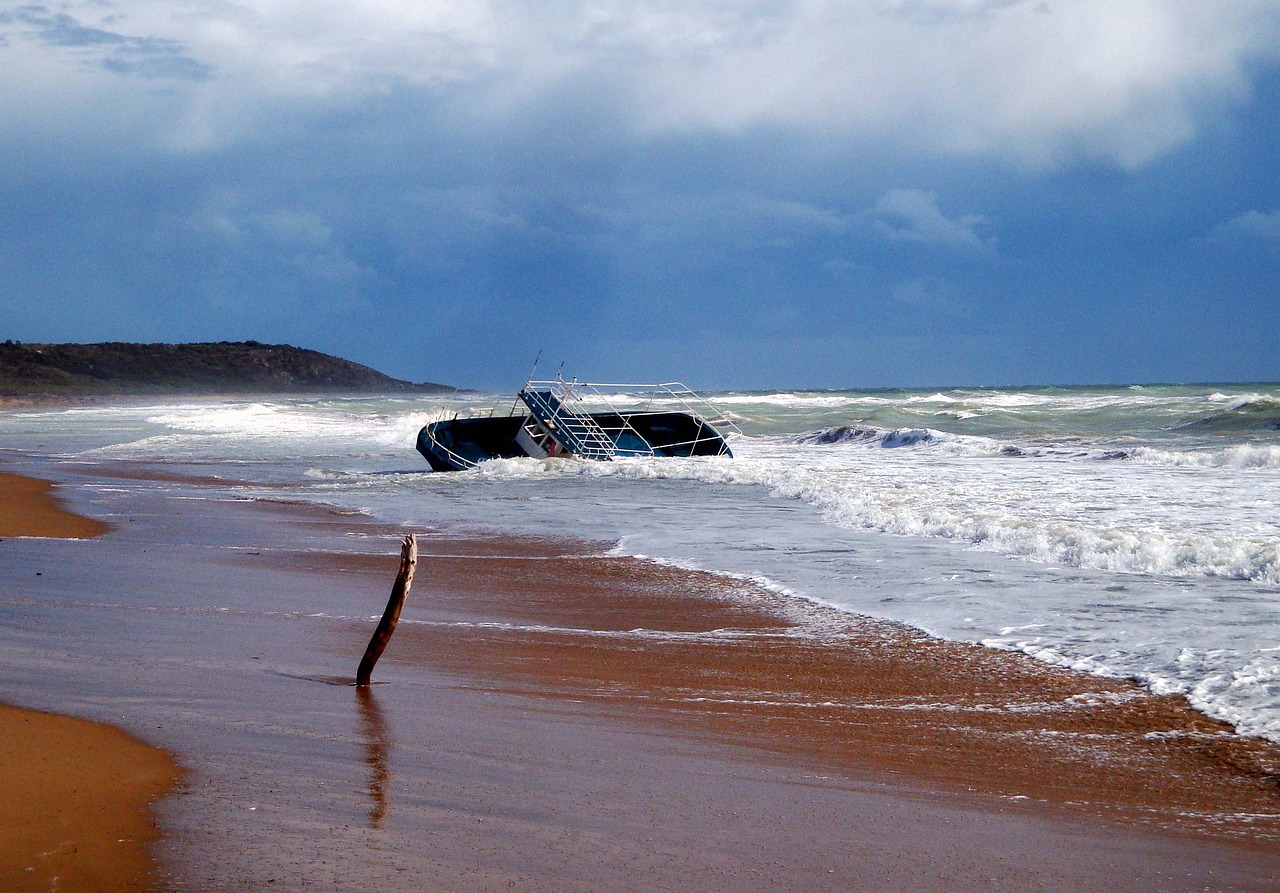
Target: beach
x,y
550,715
840,442
74,793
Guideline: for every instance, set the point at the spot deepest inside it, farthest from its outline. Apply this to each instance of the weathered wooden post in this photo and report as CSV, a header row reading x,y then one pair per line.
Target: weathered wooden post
x,y
387,625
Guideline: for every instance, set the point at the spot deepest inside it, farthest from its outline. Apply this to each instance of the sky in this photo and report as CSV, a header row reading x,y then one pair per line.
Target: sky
x,y
746,194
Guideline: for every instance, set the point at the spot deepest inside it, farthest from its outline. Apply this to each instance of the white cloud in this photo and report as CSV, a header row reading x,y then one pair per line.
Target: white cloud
x,y
1040,82
912,215
726,220
927,295
1253,226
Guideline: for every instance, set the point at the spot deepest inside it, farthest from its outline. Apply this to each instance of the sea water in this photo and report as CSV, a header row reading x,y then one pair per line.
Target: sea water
x,y
1129,531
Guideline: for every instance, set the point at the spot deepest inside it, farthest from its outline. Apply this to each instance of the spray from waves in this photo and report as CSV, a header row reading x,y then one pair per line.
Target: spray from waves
x,y
247,421
290,422
1058,541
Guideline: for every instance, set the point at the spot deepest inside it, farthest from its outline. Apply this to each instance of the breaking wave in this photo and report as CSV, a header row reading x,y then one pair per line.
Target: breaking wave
x,y
895,438
1242,456
899,437
1255,412
1024,514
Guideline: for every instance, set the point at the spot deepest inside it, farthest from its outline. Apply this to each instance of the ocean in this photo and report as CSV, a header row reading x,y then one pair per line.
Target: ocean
x,y
1123,531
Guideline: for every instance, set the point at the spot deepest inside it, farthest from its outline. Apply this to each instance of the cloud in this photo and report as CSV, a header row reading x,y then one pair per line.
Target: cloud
x,y
912,215
253,248
1251,226
928,295
1040,82
1036,82
694,222
147,57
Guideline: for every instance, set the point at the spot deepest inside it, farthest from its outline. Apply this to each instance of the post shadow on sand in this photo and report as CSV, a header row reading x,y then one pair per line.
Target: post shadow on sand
x,y
377,749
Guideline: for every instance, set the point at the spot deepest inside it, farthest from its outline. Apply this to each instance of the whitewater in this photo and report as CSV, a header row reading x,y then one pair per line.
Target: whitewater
x,y
1124,531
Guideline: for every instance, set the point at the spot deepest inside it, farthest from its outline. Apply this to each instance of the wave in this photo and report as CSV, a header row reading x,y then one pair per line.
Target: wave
x,y
973,510
1247,455
792,400
1255,412
870,435
1139,548
1240,456
283,421
899,437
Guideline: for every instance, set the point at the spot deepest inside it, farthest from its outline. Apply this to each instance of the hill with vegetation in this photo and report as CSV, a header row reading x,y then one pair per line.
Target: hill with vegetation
x,y
223,367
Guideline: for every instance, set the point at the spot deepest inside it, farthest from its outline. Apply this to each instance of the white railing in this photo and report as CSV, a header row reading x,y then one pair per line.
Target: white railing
x,y
552,408
458,459
577,399
641,398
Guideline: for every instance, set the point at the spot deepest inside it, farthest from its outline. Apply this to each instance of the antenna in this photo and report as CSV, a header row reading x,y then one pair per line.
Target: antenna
x,y
532,372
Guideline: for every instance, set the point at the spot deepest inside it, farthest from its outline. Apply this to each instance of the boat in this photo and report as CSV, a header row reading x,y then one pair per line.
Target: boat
x,y
583,420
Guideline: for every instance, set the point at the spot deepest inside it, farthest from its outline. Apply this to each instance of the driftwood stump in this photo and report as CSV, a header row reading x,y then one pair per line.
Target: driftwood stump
x,y
387,625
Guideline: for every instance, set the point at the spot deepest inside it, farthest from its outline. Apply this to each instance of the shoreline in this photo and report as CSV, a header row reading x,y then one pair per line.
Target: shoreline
x,y
547,716
715,658
70,825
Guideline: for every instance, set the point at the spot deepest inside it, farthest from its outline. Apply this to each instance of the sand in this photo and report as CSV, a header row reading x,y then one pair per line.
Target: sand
x,y
28,507
74,794
814,686
724,660
548,717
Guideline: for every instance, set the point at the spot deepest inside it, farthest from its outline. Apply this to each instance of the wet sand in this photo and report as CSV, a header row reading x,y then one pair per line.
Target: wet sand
x,y
74,794
547,717
724,660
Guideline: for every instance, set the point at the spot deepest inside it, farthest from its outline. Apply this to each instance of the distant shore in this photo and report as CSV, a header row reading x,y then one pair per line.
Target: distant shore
x,y
74,794
551,718
74,371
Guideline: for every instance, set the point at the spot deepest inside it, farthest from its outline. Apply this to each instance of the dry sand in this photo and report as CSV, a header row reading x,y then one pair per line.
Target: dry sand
x,y
28,507
74,794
